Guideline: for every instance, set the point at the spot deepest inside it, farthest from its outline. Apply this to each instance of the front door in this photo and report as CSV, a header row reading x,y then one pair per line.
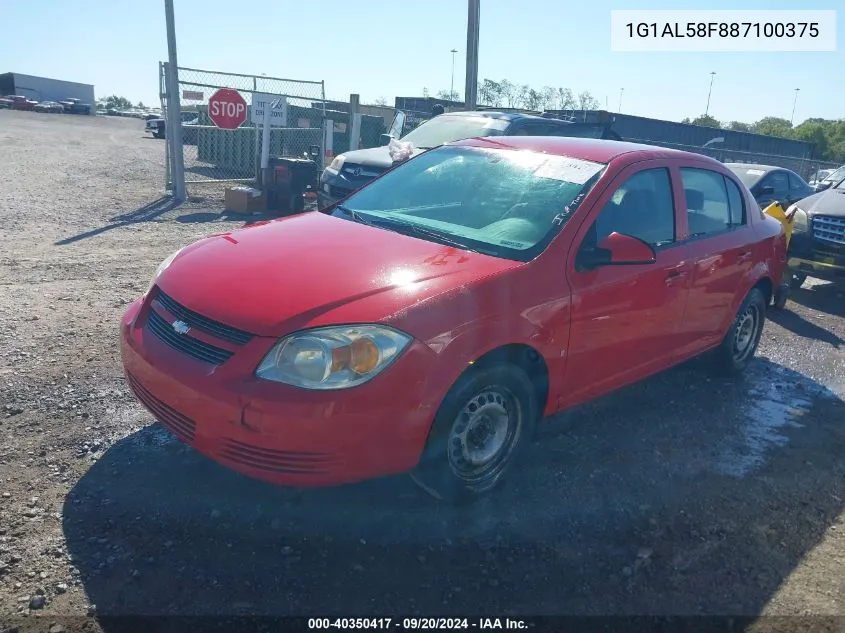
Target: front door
x,y
625,318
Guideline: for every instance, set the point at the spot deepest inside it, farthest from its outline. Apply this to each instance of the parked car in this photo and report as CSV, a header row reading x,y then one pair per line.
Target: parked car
x,y
75,106
817,246
53,107
829,179
6,102
351,170
157,126
20,102
480,285
771,184
815,180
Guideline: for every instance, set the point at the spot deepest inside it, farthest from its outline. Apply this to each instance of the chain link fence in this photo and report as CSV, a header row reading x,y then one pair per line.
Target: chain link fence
x,y
215,155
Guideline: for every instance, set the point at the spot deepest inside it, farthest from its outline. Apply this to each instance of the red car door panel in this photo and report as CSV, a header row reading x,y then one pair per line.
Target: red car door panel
x,y
625,318
721,245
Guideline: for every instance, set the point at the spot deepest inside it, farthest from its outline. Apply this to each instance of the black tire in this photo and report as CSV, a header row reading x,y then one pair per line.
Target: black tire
x,y
796,280
781,296
159,134
491,405
740,343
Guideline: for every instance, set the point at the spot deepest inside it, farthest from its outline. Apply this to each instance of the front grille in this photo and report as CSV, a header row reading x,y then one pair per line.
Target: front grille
x,y
185,343
829,229
274,461
181,426
215,328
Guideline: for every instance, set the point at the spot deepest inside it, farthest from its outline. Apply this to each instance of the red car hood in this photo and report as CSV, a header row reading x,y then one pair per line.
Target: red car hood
x,y
313,269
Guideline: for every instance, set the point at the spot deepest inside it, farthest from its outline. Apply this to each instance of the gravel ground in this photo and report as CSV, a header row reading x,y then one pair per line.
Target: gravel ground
x,y
683,495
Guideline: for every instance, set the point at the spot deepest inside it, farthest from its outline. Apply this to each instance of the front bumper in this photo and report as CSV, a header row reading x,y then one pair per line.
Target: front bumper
x,y
810,256
274,432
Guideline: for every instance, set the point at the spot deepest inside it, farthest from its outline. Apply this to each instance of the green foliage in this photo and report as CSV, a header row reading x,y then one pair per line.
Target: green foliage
x,y
706,120
118,103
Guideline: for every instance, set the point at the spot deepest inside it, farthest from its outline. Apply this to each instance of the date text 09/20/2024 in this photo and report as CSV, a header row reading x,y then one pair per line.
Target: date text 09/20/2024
x,y
417,624
723,29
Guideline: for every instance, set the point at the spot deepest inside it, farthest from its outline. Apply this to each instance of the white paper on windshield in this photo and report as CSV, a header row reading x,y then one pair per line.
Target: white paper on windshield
x,y
496,124
755,172
568,170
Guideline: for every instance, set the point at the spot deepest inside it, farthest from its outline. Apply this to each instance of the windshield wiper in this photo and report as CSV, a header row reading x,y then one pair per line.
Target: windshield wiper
x,y
354,214
416,229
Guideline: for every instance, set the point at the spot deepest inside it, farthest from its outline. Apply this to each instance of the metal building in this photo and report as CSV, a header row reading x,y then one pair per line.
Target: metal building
x,y
45,89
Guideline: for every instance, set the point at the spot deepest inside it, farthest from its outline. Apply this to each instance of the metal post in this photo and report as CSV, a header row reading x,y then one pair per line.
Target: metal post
x,y
707,110
174,109
471,90
258,174
354,121
794,103
621,92
452,88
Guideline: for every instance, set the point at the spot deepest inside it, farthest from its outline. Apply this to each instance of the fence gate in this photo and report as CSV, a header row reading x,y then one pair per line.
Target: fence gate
x,y
217,156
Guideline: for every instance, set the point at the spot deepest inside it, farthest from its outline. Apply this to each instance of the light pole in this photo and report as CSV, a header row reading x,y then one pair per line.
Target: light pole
x,y
794,103
471,79
452,88
621,90
710,92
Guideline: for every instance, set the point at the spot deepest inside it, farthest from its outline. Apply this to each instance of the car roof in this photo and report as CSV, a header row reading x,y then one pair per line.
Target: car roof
x,y
592,149
504,116
765,168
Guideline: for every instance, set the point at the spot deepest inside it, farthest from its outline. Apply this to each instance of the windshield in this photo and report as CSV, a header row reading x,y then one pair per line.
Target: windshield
x,y
836,176
449,128
748,175
505,203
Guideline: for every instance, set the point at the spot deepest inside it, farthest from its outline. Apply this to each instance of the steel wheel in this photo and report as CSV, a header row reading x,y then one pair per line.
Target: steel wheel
x,y
745,332
483,436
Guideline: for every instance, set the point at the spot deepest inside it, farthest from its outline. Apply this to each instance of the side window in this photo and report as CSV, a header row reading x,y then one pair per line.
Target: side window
x,y
533,128
736,202
714,203
778,181
641,207
795,183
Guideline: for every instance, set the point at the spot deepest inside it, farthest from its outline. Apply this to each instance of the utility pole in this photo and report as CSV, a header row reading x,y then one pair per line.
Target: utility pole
x,y
472,54
173,128
452,87
621,92
794,103
707,109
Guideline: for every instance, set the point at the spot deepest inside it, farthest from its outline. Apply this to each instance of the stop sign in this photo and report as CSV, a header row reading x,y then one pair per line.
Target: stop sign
x,y
227,109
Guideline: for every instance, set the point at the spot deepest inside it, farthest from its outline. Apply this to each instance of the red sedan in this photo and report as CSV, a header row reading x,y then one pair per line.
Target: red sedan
x,y
430,320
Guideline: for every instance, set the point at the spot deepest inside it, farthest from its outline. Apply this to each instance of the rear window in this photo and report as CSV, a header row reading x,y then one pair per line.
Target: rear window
x,y
748,175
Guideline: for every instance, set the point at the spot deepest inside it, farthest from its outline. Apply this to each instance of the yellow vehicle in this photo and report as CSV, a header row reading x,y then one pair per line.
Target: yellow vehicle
x,y
776,211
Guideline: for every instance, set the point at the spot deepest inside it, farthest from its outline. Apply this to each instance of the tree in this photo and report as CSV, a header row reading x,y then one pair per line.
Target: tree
x,y
773,126
586,101
566,101
381,101
490,93
425,93
547,99
739,126
118,103
447,95
707,121
141,105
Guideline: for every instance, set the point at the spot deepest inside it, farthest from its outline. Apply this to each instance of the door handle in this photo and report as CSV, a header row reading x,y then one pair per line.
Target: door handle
x,y
674,277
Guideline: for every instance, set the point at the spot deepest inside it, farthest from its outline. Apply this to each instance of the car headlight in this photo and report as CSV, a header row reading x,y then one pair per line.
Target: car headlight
x,y
800,223
337,164
334,357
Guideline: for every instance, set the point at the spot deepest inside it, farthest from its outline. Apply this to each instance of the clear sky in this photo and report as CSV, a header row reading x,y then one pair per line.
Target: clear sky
x,y
385,48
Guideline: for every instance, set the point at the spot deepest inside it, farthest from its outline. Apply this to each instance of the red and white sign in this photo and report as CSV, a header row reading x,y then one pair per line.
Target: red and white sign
x,y
227,109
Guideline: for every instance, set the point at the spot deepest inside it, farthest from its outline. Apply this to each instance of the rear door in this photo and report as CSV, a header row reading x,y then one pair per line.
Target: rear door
x,y
721,244
625,318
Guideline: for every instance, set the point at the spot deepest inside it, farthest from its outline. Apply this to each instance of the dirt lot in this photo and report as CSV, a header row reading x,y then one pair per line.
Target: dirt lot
x,y
685,495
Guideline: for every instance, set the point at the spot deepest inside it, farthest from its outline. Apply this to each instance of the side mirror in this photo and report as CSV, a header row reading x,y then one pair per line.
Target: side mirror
x,y
385,139
822,186
617,250
766,190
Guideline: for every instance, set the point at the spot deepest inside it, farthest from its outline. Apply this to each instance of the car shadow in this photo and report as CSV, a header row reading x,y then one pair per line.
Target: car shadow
x,y
823,297
682,495
800,326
